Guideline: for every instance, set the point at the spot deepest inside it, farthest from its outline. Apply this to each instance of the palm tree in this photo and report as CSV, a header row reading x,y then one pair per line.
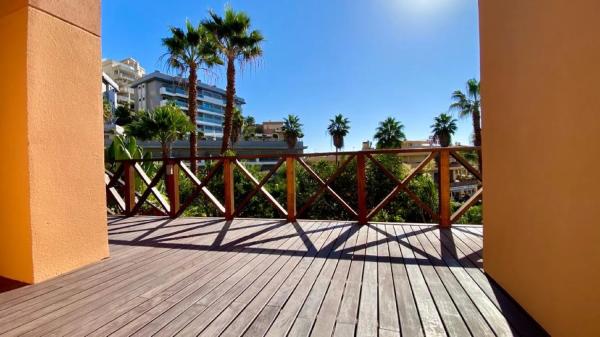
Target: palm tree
x,y
186,52
234,41
389,134
249,127
292,130
338,128
164,124
443,128
237,125
469,104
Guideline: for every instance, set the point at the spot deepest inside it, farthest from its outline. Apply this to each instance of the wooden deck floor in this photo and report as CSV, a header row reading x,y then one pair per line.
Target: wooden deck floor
x,y
265,278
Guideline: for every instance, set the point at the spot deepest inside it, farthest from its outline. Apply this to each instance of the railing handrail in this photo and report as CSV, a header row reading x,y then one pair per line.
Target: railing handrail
x,y
313,154
169,171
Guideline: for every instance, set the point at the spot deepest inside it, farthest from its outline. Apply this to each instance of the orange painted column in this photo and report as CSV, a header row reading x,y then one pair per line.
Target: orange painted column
x,y
540,65
52,198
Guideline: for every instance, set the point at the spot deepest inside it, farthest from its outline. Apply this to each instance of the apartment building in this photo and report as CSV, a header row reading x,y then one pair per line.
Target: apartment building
x,y
157,89
124,73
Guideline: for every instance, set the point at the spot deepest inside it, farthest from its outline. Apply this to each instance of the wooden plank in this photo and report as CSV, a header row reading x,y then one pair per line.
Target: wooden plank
x,y
226,287
326,318
455,325
215,319
518,319
108,280
367,310
289,311
159,282
476,323
172,311
260,303
112,192
47,317
361,188
290,189
253,299
491,313
348,311
388,312
228,186
430,318
155,297
410,323
344,330
444,188
330,282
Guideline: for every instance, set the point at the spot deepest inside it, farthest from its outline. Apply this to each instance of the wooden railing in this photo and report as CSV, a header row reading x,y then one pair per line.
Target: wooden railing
x,y
129,187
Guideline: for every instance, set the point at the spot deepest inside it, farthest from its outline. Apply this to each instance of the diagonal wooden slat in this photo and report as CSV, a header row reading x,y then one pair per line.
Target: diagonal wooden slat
x,y
260,187
112,192
159,197
149,190
115,176
467,204
475,172
201,187
325,186
402,185
120,183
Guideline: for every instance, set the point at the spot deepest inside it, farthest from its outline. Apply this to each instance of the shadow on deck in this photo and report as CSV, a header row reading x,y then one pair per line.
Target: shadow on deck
x,y
267,278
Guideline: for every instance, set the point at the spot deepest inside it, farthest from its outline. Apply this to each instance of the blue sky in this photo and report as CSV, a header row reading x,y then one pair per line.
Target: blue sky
x,y
365,59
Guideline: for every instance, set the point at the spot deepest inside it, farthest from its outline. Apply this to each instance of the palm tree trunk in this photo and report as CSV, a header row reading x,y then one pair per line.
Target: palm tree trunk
x,y
477,130
166,150
192,104
230,96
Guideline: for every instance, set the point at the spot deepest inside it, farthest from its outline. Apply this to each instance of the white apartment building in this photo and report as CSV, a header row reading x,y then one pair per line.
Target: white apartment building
x,y
124,73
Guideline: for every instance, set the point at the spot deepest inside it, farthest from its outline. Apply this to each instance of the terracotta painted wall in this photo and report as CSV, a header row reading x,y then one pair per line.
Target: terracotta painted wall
x,y
15,237
63,222
540,78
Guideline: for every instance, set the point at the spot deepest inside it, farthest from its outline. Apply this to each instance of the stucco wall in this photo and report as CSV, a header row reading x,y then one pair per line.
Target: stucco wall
x,y
540,64
60,149
15,237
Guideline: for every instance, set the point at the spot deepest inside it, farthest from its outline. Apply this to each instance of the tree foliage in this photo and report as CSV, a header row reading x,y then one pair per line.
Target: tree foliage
x,y
235,41
338,128
443,128
389,134
164,124
292,130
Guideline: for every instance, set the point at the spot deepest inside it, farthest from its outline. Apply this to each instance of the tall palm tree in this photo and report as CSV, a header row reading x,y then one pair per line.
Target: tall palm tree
x,y
186,52
389,134
292,130
234,41
338,128
468,104
443,127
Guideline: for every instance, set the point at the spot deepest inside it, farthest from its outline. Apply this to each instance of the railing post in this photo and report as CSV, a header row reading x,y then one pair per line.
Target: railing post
x,y
444,187
361,184
290,174
228,185
129,186
172,176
